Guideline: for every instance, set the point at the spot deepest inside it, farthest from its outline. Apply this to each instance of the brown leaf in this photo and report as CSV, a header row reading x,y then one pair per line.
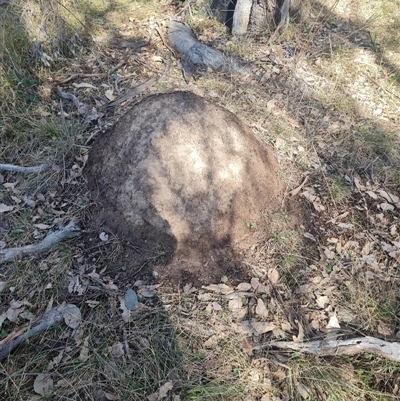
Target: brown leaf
x,y
109,95
42,226
373,195
110,396
219,288
386,206
216,306
273,275
322,301
243,287
161,393
84,85
255,282
261,310
84,354
263,327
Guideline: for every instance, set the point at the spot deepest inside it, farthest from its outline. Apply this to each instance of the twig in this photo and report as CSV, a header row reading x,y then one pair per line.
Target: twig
x,y
295,191
161,35
342,347
379,85
78,75
25,170
49,318
134,92
88,112
53,237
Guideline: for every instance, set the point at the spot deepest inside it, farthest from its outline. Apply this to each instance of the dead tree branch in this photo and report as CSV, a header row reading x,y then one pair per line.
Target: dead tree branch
x,y
69,312
372,345
53,237
25,170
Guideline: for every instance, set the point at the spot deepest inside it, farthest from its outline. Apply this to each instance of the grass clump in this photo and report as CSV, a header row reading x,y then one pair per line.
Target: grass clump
x,y
333,380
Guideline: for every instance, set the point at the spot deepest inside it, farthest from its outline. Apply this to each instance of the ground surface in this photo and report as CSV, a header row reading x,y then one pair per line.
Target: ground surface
x,y
324,94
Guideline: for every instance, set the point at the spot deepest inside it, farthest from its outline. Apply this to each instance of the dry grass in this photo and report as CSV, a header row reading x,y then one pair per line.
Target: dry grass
x,y
330,108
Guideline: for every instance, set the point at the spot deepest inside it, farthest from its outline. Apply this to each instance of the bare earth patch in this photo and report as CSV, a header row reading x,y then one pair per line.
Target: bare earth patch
x,y
186,183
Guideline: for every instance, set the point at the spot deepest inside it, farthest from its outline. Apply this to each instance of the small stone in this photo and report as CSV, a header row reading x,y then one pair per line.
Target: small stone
x,y
131,300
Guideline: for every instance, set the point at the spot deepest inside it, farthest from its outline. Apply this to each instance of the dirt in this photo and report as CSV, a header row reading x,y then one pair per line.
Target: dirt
x,y
183,183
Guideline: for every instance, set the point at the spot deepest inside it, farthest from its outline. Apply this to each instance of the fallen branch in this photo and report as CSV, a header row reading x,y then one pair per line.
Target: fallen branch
x,y
52,238
79,75
26,170
132,93
372,345
184,41
68,312
85,110
296,191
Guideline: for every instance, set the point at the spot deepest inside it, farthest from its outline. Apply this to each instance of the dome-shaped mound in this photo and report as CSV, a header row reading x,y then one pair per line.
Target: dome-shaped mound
x,y
182,175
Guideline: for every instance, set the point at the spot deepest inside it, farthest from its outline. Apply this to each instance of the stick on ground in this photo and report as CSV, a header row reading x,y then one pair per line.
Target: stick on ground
x,y
53,237
19,169
372,345
49,318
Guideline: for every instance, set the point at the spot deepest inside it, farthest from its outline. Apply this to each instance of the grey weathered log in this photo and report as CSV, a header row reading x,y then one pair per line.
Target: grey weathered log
x,y
49,318
71,230
241,17
25,170
389,350
194,52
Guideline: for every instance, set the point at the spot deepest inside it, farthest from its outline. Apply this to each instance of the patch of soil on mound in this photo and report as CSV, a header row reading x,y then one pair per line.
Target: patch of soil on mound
x,y
184,182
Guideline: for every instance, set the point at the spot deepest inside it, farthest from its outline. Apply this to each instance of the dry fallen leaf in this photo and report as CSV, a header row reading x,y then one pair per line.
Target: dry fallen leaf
x,y
157,59
188,289
84,354
111,397
235,304
263,327
249,328
389,197
5,208
333,323
300,336
386,206
84,85
42,226
219,288
109,95
243,287
273,275
147,293
117,349
161,393
322,302
261,310
126,313
43,384
72,316
329,254
345,225
373,195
